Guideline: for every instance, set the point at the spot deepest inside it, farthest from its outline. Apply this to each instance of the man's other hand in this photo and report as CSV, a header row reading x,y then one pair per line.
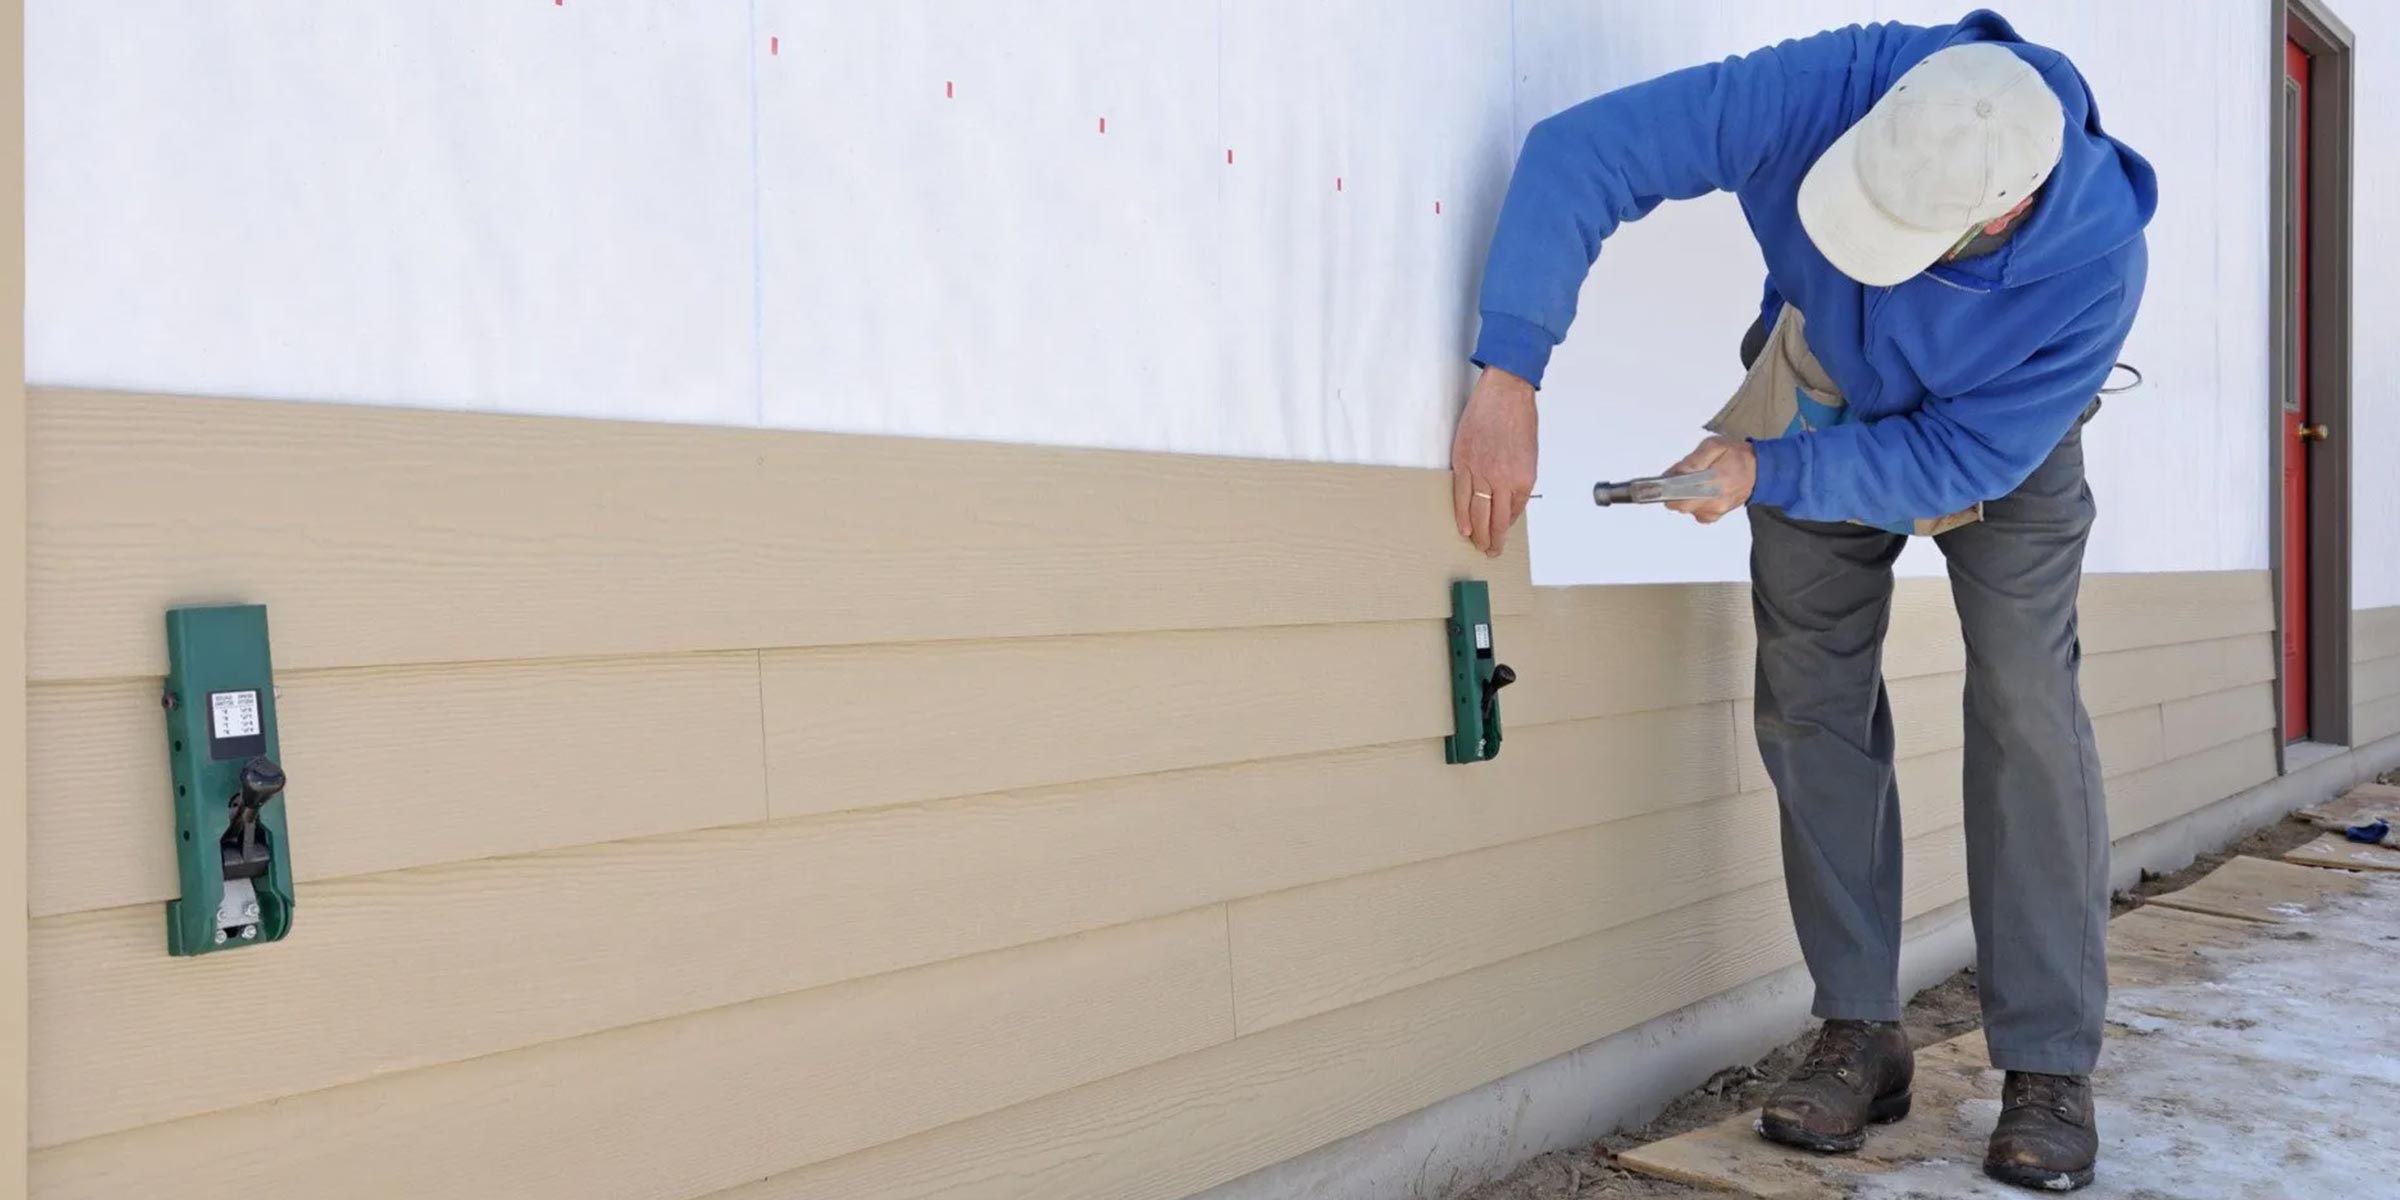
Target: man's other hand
x,y
1492,459
1735,466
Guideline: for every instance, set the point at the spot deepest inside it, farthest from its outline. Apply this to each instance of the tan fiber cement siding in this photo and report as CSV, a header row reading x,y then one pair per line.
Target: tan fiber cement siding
x,y
541,537
2375,675
1058,829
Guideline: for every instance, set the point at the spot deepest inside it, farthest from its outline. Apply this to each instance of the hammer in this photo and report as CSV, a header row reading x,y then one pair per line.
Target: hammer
x,y
1656,489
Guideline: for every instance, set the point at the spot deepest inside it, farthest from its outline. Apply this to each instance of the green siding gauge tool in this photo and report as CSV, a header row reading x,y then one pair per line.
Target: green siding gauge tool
x,y
1475,676
232,851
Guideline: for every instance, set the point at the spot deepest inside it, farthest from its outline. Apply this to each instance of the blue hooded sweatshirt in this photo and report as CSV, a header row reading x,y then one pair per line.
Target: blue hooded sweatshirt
x,y
1959,381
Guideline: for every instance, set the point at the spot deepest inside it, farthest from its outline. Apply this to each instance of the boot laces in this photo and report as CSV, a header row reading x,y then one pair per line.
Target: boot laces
x,y
1839,1045
2034,1090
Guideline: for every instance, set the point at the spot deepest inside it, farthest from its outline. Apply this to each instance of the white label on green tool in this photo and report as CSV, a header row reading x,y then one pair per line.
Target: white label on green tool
x,y
233,714
1483,637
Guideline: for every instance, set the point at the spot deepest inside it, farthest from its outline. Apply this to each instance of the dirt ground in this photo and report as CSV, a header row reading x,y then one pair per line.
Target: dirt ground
x,y
1941,1012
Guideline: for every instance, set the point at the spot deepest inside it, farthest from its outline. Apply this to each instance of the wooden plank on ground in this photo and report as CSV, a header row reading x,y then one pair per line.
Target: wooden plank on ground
x,y
2154,944
2334,850
1953,1080
2261,890
474,536
2360,804
1730,1154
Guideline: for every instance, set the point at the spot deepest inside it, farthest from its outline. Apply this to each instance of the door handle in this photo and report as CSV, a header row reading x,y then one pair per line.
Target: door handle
x,y
2313,433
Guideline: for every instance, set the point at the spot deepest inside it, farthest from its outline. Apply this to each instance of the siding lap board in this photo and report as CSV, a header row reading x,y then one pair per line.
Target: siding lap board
x,y
465,536
1318,948
2376,634
787,1080
2375,680
1182,1126
544,755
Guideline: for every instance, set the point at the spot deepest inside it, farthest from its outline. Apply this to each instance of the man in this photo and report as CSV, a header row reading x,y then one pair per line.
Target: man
x,y
1965,246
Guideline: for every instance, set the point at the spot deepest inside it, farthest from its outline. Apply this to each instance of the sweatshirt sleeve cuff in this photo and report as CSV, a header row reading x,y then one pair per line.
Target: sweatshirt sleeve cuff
x,y
1781,464
1514,345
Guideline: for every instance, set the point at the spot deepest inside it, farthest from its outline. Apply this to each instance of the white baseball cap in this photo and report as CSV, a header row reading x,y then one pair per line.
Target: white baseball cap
x,y
1961,138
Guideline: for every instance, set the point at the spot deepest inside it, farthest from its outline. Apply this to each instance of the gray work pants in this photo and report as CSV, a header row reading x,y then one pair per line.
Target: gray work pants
x,y
2036,826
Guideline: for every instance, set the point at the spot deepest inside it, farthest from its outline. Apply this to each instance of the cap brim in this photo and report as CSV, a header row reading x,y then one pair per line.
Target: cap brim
x,y
1858,238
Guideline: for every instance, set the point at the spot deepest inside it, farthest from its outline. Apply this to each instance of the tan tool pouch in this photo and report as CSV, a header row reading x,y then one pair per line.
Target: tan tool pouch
x,y
1767,404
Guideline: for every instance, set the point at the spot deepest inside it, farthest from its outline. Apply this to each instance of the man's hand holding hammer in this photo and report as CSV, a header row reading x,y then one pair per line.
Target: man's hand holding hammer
x,y
1735,466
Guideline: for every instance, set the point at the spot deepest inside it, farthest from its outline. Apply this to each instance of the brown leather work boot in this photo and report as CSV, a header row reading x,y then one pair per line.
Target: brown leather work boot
x,y
1857,1073
2046,1137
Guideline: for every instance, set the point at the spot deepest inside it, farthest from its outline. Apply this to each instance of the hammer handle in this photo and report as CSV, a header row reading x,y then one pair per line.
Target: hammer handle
x,y
1656,489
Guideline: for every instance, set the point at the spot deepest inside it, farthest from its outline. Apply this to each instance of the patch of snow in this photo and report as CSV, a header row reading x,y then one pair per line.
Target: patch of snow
x,y
2272,1078
2137,1023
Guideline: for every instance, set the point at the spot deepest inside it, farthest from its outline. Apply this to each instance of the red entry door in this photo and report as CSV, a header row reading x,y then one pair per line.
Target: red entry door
x,y
2299,434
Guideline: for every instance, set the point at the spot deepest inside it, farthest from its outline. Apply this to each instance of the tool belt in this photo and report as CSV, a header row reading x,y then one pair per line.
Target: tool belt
x,y
1787,391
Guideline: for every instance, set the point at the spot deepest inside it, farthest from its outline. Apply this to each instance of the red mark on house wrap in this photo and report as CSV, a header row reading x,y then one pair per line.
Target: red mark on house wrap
x,y
1437,208
774,45
949,90
1229,158
1104,124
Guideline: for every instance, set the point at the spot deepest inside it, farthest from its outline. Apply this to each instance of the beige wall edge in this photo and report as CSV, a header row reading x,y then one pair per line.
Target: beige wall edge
x,y
12,612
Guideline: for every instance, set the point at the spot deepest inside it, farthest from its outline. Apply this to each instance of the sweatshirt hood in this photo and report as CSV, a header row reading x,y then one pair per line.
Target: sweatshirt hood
x,y
2099,197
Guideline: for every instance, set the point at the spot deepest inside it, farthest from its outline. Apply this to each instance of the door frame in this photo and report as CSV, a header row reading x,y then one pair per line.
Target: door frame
x,y
2331,48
